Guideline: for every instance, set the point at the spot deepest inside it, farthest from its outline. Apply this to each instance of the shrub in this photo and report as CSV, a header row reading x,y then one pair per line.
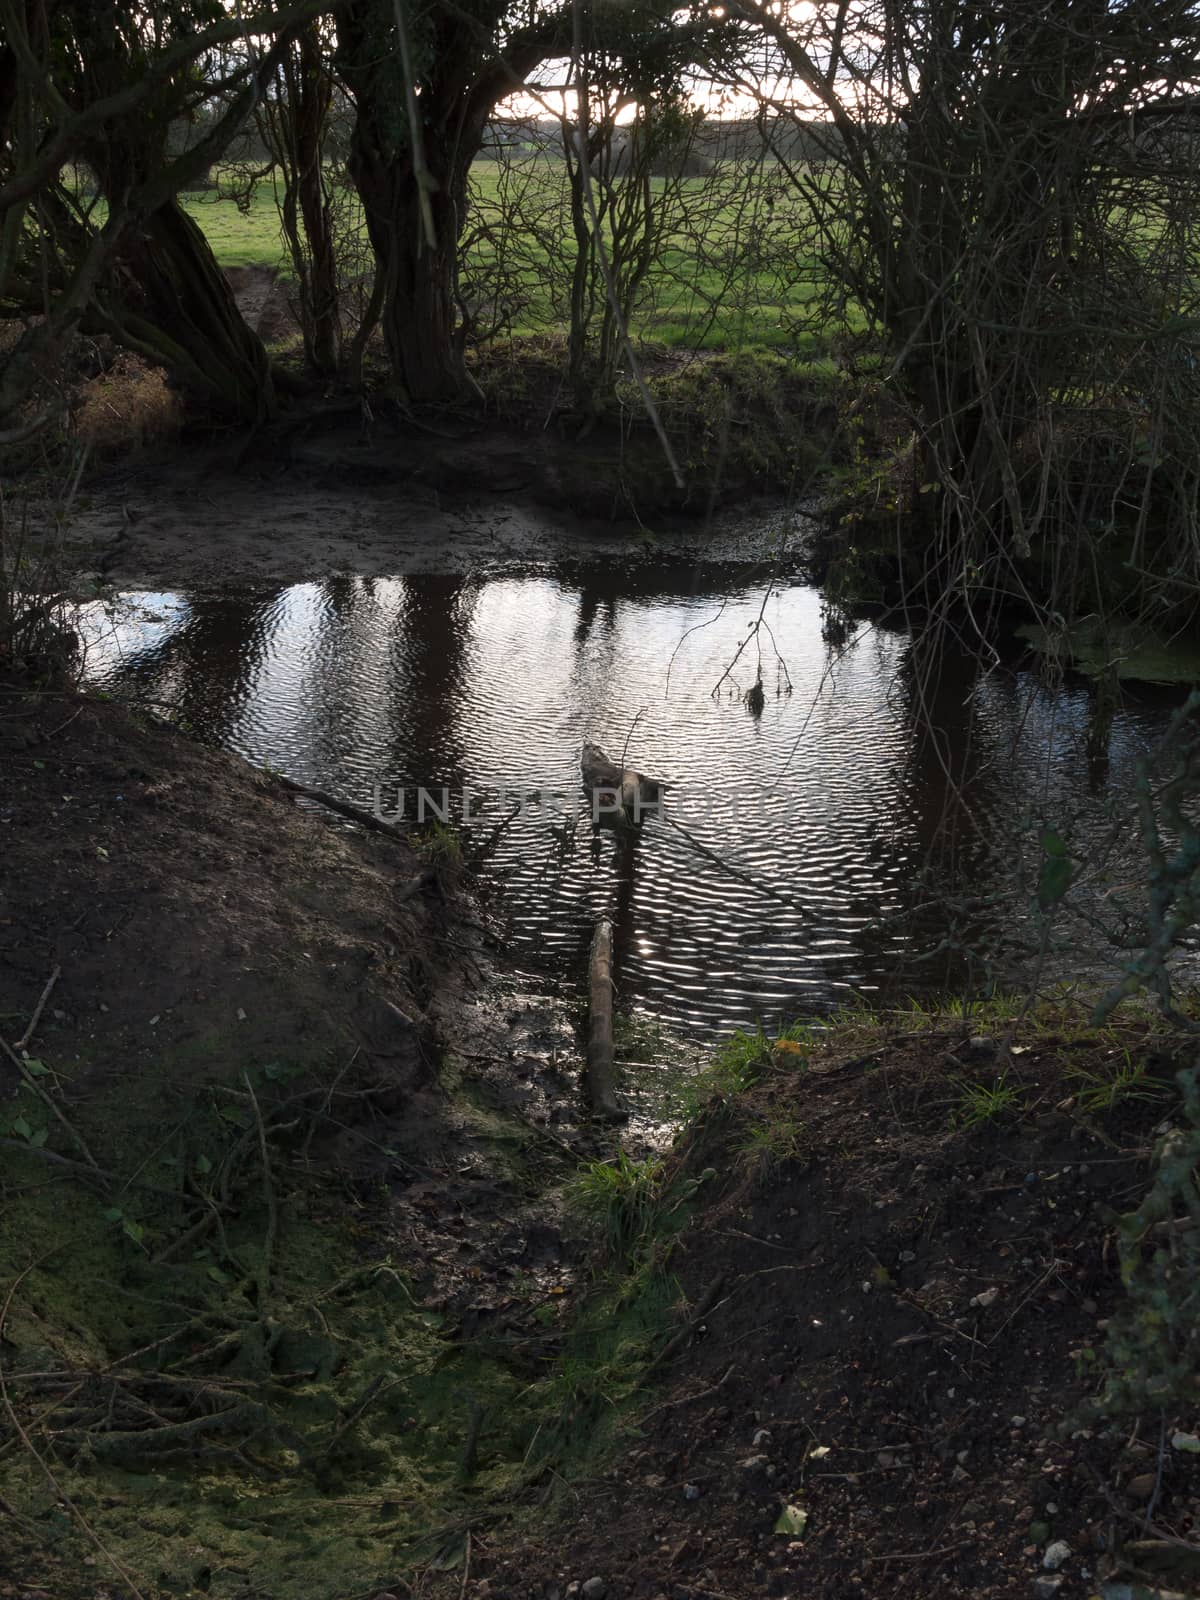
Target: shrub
x,y
1153,1341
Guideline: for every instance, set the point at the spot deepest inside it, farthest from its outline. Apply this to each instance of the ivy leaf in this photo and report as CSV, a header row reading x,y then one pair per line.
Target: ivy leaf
x,y
203,1164
22,1129
36,1069
793,1520
1057,870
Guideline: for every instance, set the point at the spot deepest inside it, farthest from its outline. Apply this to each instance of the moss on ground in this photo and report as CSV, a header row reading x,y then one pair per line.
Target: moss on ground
x,y
268,1406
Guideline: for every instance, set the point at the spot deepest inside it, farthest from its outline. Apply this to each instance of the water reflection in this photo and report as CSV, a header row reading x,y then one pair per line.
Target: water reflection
x,y
862,833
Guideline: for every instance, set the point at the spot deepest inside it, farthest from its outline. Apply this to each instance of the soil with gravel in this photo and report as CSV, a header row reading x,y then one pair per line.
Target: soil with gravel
x,y
893,1327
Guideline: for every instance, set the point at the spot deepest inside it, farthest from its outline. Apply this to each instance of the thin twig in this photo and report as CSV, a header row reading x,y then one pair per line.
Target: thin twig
x,y
38,1009
921,1555
31,1083
466,1567
264,1274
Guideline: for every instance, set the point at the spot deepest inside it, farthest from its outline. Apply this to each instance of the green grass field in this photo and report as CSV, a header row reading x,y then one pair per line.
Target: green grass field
x,y
728,276
249,238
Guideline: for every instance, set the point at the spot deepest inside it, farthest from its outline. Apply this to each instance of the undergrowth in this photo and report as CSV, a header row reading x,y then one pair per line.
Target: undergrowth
x,y
1153,1341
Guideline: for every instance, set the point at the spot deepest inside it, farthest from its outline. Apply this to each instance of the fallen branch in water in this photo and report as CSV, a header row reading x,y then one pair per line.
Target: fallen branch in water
x,y
600,1074
367,819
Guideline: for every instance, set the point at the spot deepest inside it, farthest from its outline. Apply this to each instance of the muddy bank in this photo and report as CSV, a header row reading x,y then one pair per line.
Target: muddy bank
x,y
314,1284
902,1291
274,1140
372,501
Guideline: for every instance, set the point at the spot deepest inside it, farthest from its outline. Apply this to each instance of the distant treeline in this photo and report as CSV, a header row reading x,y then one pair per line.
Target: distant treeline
x,y
713,140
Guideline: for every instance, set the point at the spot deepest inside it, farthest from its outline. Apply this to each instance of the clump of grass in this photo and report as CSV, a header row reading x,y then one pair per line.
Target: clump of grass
x,y
633,1204
981,1103
1106,1088
621,1199
127,407
737,1065
442,848
771,1142
973,1011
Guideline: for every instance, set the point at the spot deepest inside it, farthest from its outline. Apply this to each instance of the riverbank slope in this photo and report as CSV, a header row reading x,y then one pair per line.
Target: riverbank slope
x,y
315,1285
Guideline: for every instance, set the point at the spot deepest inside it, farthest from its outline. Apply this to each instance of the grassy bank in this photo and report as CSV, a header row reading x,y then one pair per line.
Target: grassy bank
x,y
297,1300
293,1298
727,275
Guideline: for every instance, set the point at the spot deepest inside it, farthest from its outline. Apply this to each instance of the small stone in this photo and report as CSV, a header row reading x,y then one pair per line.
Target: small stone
x,y
1046,1588
1056,1554
691,1491
573,1591
959,1476
985,1298
762,1437
1018,1422
753,1464
1141,1487
1039,1532
1051,1505
1090,1307
886,1459
594,1589
908,1255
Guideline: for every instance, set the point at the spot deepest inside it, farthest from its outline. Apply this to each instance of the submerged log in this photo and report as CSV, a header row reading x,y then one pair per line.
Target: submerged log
x,y
601,1073
617,790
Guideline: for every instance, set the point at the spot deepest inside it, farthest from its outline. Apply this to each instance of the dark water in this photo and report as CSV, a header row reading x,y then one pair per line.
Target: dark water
x,y
862,835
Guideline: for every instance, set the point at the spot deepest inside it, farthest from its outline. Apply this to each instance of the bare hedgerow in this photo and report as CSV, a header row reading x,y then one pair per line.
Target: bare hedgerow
x,y
1007,196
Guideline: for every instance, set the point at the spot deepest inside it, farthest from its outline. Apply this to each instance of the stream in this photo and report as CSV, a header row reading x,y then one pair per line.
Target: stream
x,y
868,833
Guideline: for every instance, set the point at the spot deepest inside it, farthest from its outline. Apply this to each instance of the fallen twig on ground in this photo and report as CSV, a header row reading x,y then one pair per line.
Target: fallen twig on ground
x,y
38,1009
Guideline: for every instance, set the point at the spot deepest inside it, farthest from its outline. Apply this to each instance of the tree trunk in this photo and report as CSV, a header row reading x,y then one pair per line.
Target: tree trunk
x,y
324,335
412,177
293,124
419,279
171,302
